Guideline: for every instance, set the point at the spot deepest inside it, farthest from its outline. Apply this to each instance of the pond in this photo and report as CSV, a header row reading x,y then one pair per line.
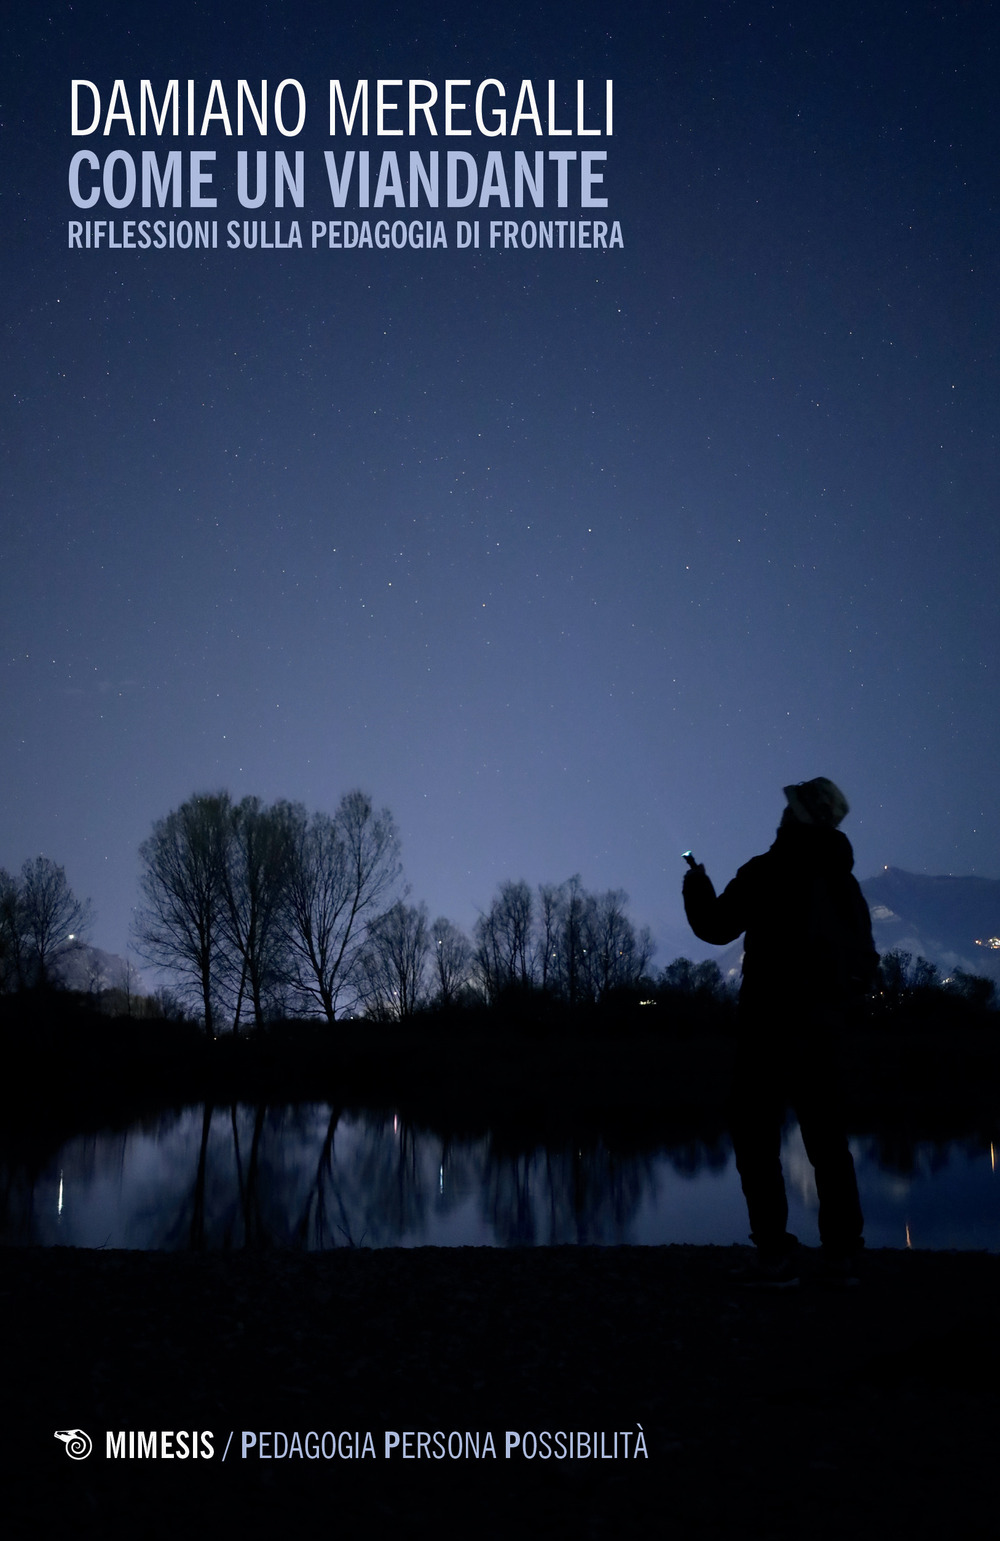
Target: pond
x,y
310,1176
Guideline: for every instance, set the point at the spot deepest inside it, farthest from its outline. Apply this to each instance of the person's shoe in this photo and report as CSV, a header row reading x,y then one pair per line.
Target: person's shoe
x,y
764,1272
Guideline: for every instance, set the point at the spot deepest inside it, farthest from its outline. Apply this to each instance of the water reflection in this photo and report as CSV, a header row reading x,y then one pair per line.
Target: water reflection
x,y
314,1176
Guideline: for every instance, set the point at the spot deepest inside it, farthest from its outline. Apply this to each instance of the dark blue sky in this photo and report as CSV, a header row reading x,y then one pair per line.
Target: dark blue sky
x,y
571,558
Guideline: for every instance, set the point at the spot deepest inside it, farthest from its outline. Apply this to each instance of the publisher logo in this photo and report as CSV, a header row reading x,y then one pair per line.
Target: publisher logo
x,y
78,1444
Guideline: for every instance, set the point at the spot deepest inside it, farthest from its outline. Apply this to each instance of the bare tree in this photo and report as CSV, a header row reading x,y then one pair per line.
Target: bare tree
x,y
394,962
12,962
256,871
342,870
180,923
451,960
551,901
616,956
52,920
572,945
588,943
504,949
126,992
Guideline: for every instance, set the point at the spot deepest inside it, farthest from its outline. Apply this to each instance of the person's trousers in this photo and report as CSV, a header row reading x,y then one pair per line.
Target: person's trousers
x,y
788,1059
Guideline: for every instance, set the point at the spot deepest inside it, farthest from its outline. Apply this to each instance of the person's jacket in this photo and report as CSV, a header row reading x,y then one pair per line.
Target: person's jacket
x,y
806,921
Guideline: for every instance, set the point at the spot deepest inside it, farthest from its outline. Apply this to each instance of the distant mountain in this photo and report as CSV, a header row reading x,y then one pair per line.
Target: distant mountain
x,y
953,922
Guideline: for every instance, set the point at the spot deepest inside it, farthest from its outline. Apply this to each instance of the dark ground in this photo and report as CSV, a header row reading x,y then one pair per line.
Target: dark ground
x,y
867,1413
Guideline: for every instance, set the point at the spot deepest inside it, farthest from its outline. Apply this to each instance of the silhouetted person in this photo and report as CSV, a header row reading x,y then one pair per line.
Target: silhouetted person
x,y
808,956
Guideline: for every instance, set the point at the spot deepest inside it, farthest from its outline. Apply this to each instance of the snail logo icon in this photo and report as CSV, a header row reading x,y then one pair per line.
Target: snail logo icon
x,y
78,1444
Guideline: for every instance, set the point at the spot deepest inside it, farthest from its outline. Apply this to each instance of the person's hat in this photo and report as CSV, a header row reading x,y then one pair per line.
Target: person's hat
x,y
817,802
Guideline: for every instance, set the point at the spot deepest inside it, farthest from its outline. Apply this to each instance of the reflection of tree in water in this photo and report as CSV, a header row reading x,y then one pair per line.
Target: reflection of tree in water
x,y
367,1187
29,1185
460,1173
299,1177
192,1204
906,1155
280,1170
355,1181
237,1184
546,1198
508,1200
41,1176
311,1176
17,1207
691,1157
312,1229
386,1169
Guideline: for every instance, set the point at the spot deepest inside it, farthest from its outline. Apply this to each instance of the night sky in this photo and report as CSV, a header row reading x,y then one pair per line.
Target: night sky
x,y
570,558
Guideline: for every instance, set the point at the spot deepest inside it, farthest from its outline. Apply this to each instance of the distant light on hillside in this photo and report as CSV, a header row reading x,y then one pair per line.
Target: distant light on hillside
x,y
993,942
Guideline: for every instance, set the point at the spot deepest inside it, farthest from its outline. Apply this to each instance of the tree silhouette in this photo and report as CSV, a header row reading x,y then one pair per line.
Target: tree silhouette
x,y
694,979
451,961
503,941
615,954
572,944
342,869
180,924
256,871
50,919
393,962
12,970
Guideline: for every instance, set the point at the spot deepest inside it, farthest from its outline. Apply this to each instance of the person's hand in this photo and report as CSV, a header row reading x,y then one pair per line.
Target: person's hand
x,y
694,877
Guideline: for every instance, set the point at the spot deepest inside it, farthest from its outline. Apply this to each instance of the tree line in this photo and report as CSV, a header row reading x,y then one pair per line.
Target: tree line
x,y
262,912
41,924
266,911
